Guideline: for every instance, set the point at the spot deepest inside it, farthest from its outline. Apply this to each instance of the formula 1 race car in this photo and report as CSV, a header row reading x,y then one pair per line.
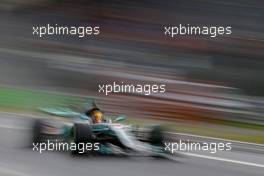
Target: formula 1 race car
x,y
104,137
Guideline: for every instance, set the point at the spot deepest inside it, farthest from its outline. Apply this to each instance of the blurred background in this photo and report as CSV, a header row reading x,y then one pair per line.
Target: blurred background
x,y
211,83
214,86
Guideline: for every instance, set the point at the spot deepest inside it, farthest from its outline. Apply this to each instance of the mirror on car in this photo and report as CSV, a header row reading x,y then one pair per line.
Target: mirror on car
x,y
120,119
109,120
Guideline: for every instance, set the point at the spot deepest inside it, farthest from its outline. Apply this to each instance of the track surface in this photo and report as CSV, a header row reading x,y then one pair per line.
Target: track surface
x,y
16,158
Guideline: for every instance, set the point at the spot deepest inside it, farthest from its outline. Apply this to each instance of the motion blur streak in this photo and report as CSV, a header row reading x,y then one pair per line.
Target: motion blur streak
x,y
214,86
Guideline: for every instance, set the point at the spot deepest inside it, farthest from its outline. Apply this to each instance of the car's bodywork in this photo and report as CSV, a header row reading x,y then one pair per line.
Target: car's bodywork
x,y
112,136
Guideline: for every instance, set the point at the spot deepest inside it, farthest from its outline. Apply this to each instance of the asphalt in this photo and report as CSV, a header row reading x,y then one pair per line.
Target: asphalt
x,y
17,158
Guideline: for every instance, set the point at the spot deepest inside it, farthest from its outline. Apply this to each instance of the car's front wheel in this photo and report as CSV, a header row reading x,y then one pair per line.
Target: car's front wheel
x,y
156,137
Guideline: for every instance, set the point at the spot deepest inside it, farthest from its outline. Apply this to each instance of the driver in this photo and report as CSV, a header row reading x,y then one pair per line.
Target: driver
x,y
97,116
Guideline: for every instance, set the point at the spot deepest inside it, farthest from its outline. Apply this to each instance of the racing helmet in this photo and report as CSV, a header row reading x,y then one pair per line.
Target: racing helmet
x,y
97,116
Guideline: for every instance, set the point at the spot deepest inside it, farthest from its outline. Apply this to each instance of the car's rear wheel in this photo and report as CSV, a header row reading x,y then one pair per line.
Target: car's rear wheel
x,y
82,134
37,136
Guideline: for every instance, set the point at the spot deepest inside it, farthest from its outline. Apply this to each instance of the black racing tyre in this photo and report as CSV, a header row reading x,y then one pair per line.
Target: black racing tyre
x,y
82,134
37,136
156,136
